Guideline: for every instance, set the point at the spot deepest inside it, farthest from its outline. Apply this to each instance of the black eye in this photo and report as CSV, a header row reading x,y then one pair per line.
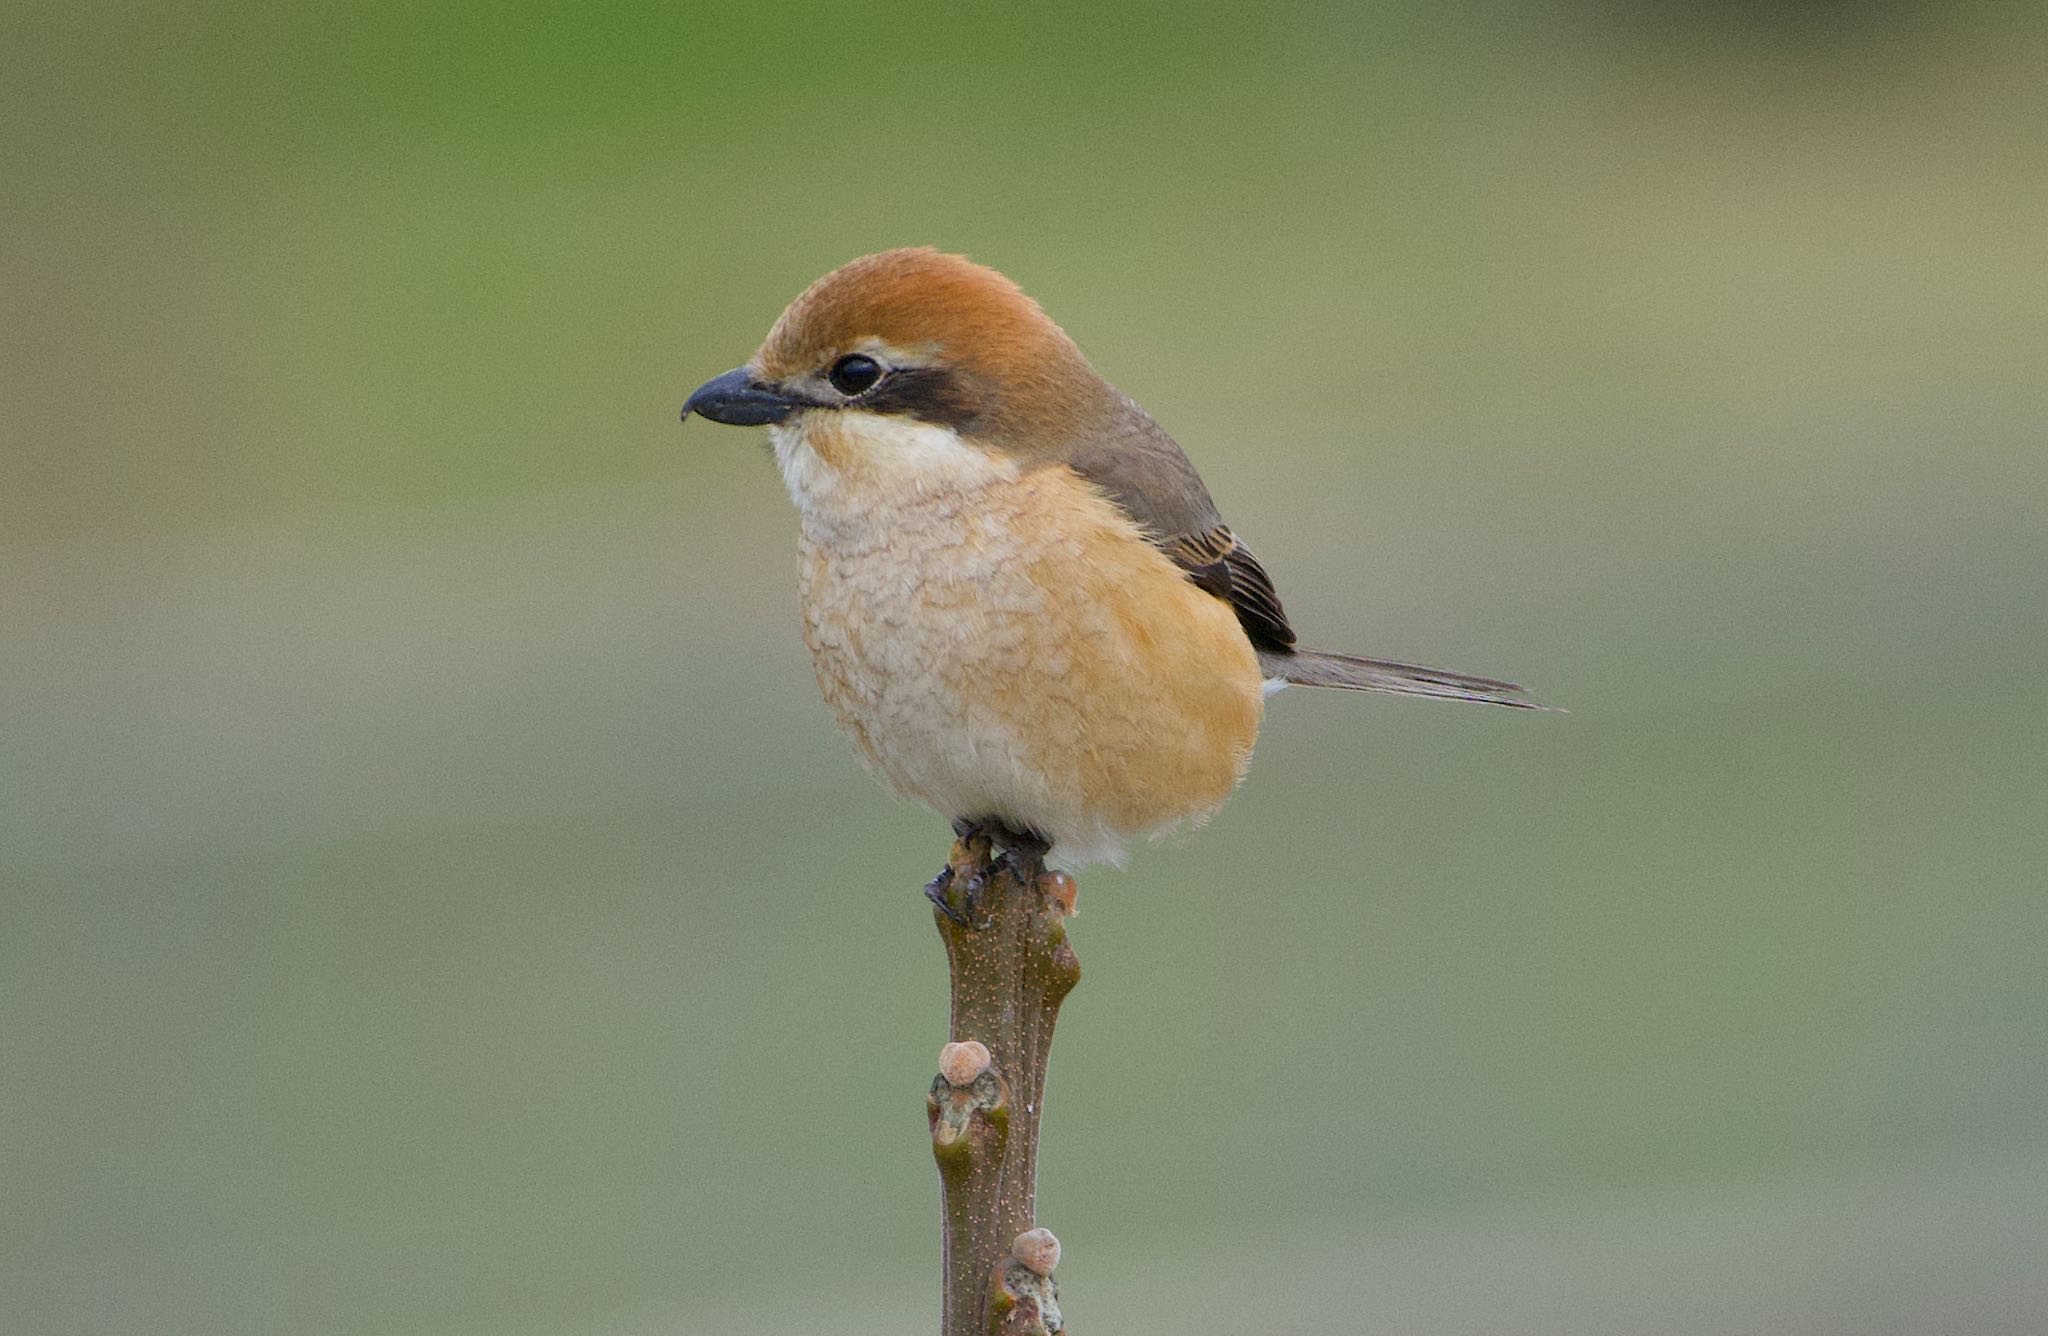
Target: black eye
x,y
854,374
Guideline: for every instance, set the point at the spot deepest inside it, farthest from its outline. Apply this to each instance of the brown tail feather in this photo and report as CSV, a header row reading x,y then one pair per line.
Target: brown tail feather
x,y
1321,668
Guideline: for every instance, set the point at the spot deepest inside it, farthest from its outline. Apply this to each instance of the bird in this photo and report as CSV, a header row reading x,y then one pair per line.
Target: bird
x,y
1020,599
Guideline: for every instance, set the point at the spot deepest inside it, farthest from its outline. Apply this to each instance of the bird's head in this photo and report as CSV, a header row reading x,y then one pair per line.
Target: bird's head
x,y
894,362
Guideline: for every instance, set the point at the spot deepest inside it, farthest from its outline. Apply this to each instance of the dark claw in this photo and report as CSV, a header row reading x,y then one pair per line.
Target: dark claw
x,y
939,891
935,891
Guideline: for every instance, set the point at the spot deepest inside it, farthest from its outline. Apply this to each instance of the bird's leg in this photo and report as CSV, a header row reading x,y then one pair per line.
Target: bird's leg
x,y
1022,854
968,829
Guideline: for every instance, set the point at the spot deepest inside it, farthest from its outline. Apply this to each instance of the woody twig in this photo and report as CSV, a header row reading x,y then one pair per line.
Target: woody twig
x,y
1011,964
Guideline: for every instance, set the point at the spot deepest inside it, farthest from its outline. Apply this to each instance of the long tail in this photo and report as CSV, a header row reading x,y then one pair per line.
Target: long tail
x,y
1321,668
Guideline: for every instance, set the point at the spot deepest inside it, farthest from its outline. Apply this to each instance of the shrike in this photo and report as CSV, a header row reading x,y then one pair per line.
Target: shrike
x,y
1020,600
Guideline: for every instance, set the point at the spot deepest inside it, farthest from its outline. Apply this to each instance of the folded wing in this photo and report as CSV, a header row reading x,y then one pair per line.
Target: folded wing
x,y
1142,469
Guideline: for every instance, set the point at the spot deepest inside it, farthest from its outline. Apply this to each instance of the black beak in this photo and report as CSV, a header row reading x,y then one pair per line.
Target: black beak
x,y
738,400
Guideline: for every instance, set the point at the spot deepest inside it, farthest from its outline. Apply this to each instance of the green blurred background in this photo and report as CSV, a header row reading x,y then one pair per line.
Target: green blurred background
x,y
434,900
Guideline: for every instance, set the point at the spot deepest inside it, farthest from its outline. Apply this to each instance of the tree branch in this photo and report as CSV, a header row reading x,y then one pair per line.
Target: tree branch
x,y
1011,967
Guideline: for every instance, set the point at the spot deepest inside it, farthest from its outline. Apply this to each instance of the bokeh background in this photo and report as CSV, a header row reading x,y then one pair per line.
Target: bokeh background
x,y
433,899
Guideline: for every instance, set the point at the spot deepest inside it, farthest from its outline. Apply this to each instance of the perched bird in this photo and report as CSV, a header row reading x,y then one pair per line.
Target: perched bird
x,y
1018,596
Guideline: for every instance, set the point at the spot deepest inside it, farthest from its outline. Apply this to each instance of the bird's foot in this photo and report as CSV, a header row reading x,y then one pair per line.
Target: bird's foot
x,y
985,847
939,890
1023,856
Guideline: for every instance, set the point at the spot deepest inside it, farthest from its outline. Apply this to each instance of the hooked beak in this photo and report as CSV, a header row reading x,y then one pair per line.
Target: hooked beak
x,y
738,400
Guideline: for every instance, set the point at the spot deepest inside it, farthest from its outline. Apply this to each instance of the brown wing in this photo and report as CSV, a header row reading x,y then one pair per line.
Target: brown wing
x,y
1219,563
1142,470
1145,471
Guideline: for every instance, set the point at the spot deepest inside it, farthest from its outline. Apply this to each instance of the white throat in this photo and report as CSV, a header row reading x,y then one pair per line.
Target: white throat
x,y
841,467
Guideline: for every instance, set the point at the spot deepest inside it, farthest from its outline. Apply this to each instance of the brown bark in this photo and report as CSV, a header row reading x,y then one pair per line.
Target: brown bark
x,y
1011,967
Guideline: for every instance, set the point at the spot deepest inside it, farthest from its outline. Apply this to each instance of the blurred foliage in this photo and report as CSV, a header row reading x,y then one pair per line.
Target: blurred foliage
x,y
426,868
